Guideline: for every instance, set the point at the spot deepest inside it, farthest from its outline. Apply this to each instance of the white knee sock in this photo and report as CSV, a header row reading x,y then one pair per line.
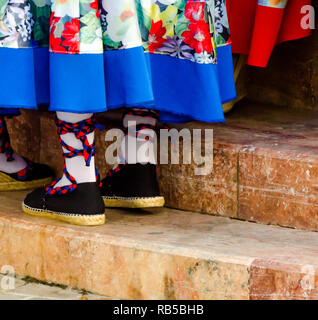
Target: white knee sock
x,y
17,163
76,166
138,150
13,166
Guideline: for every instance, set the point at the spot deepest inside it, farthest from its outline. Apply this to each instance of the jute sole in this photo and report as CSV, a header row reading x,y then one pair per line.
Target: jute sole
x,y
9,184
154,202
78,219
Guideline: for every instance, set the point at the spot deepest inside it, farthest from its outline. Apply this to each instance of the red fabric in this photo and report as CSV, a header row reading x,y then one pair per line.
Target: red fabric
x,y
256,29
291,28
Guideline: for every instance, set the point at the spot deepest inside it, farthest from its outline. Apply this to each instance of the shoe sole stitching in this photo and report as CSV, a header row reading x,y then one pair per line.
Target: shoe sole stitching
x,y
122,202
78,219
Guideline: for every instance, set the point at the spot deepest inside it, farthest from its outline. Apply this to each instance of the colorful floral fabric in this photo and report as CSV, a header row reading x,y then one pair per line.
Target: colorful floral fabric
x,y
179,28
16,23
273,3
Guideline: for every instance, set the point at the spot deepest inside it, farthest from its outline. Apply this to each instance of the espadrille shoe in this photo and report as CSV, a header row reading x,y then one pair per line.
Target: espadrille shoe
x,y
35,175
132,186
83,206
76,203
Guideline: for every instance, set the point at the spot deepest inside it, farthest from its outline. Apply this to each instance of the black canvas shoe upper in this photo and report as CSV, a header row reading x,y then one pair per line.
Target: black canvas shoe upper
x,y
132,181
33,171
84,200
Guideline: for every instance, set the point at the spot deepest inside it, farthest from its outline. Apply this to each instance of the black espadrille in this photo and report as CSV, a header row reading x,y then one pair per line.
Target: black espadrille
x,y
35,175
82,206
76,203
132,186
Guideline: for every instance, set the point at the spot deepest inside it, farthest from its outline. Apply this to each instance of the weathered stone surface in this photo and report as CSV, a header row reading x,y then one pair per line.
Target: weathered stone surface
x,y
212,193
272,280
268,169
278,189
162,254
31,289
50,148
25,134
278,171
113,259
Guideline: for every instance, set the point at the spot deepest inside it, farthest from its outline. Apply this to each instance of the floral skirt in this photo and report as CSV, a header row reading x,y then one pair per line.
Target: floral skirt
x,y
259,25
94,55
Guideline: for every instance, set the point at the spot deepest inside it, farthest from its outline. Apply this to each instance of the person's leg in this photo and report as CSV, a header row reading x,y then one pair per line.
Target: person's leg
x,y
16,172
133,145
76,166
75,197
133,182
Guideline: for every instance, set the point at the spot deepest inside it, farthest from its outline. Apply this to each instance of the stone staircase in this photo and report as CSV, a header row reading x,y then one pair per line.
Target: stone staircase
x,y
162,254
265,171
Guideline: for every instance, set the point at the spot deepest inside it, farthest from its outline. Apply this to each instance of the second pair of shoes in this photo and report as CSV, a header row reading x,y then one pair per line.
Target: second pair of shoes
x,y
129,186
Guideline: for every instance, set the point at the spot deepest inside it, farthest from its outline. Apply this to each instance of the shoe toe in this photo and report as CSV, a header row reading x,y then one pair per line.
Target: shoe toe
x,y
35,199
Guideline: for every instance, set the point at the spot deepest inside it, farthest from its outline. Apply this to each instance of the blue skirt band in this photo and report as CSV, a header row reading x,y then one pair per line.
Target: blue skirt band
x,y
180,89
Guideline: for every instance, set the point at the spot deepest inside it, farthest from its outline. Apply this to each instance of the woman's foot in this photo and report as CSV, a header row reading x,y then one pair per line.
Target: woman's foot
x,y
75,197
16,172
132,186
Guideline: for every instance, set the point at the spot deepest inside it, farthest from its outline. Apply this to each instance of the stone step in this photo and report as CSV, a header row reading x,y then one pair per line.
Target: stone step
x,y
161,254
265,164
265,169
26,288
